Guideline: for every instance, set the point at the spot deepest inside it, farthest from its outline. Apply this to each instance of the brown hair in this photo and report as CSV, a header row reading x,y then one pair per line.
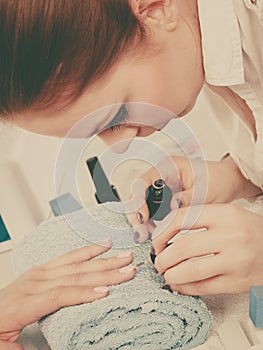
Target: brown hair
x,y
48,46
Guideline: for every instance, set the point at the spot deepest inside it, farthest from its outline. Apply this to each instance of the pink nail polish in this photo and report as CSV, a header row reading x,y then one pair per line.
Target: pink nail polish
x,y
127,269
124,254
102,289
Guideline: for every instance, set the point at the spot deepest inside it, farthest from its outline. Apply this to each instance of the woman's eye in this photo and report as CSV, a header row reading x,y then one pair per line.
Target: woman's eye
x,y
119,120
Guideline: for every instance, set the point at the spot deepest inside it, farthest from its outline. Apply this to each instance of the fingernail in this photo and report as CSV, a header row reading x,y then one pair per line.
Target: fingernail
x,y
124,254
127,269
140,218
102,289
136,236
167,287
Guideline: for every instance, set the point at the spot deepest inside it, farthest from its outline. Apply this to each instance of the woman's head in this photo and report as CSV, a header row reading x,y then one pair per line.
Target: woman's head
x,y
49,46
61,60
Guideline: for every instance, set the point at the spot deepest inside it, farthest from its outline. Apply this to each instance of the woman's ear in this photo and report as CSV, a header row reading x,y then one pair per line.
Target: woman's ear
x,y
156,13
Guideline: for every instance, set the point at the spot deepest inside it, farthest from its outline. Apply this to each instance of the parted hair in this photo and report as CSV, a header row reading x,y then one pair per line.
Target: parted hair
x,y
48,47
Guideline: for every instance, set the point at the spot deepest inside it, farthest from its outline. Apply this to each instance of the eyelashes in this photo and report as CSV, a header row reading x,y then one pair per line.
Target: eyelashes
x,y
119,120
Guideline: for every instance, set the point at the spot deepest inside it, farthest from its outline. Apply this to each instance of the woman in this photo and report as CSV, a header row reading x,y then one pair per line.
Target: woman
x,y
61,61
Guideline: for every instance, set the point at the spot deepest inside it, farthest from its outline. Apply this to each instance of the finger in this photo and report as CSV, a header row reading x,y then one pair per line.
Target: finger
x,y
188,218
136,208
95,265
214,285
103,278
151,226
108,278
164,232
189,246
10,346
82,254
167,170
141,233
181,199
144,232
53,299
137,211
195,270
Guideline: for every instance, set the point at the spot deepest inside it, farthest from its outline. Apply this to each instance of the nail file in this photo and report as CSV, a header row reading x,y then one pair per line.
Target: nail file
x,y
233,336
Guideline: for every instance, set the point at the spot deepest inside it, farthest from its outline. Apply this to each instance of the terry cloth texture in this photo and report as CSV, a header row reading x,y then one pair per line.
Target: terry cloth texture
x,y
136,314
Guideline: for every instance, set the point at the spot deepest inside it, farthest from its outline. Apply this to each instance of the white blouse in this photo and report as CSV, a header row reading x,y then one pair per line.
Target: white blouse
x,y
232,39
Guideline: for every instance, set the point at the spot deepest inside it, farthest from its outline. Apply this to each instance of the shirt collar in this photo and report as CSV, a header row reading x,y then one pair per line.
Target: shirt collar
x,y
222,51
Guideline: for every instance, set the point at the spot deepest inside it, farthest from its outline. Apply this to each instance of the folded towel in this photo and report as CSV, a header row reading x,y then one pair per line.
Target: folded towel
x,y
136,315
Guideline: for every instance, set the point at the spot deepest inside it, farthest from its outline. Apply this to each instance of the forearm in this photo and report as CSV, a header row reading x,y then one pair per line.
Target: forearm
x,y
9,314
242,188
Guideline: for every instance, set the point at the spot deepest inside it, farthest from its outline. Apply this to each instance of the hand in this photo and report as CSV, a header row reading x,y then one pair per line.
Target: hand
x,y
71,279
192,182
234,237
10,346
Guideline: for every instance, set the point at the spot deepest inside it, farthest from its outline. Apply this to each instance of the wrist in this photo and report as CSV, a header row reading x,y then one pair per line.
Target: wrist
x,y
240,186
8,318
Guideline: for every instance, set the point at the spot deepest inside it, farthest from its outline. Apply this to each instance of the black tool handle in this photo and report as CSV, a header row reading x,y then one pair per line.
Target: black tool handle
x,y
105,192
